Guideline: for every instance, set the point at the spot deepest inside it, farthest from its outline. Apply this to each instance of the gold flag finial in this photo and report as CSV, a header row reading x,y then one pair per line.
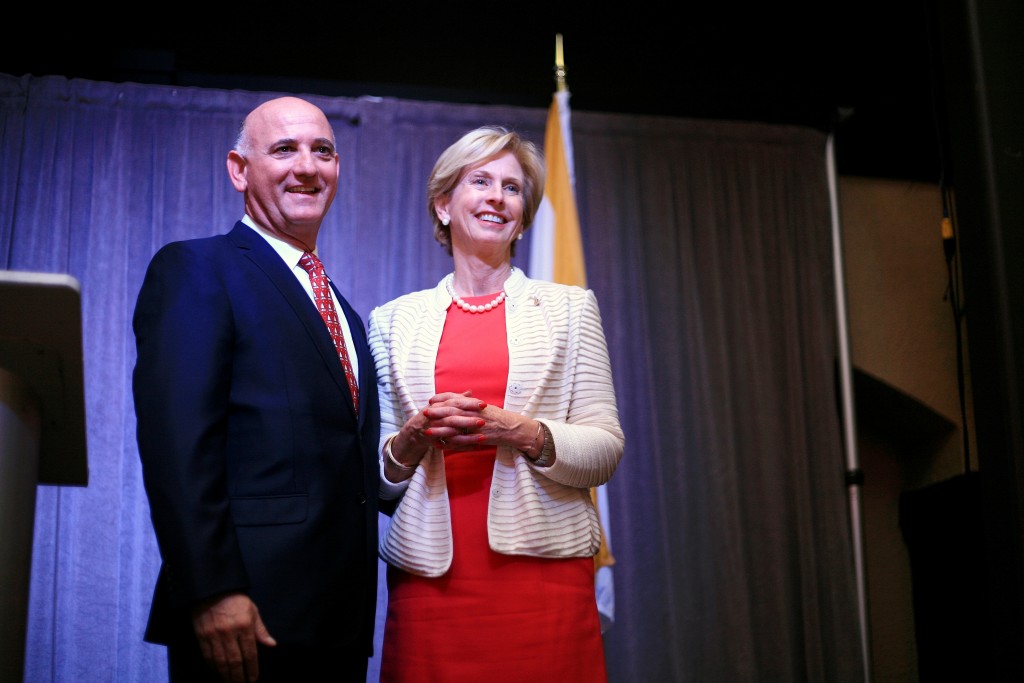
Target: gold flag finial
x,y
559,63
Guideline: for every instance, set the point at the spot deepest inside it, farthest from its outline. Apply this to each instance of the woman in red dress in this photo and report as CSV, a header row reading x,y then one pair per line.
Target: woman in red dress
x,y
498,415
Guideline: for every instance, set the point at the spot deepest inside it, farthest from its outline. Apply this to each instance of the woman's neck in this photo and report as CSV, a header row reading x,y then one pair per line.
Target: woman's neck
x,y
479,278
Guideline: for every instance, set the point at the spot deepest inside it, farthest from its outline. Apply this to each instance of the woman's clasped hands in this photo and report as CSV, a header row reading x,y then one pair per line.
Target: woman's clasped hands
x,y
454,421
457,422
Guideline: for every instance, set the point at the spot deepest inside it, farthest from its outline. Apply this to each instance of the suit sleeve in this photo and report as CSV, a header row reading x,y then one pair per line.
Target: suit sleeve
x,y
181,384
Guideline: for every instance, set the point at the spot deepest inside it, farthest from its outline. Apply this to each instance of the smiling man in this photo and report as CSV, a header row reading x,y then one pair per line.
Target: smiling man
x,y
258,425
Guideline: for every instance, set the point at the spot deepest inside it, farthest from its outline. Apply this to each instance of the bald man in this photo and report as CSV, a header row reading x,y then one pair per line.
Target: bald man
x,y
257,431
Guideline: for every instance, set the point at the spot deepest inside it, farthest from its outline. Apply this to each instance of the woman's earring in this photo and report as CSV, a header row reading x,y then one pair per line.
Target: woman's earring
x,y
444,221
520,236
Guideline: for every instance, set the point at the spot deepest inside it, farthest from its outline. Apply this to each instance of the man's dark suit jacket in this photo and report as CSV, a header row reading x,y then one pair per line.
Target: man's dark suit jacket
x,y
259,475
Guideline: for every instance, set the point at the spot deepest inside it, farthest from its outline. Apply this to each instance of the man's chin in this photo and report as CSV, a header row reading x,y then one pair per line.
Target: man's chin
x,y
307,216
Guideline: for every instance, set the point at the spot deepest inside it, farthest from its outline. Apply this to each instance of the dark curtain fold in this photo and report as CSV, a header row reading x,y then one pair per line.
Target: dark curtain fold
x,y
708,245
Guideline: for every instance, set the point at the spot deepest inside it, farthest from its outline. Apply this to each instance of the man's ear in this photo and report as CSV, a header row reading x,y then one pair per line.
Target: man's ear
x,y
236,170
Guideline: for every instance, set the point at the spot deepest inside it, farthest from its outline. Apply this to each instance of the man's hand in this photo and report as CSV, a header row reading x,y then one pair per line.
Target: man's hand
x,y
228,628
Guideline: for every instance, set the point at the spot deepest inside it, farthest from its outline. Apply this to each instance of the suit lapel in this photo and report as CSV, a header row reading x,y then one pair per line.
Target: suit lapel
x,y
267,260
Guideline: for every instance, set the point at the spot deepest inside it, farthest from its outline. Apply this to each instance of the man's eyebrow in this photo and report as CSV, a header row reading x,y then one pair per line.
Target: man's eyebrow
x,y
292,142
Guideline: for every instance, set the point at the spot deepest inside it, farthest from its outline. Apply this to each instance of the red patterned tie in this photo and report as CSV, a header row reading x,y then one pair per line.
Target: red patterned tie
x,y
318,278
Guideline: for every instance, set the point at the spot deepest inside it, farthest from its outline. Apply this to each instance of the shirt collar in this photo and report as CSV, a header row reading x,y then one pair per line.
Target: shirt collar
x,y
289,253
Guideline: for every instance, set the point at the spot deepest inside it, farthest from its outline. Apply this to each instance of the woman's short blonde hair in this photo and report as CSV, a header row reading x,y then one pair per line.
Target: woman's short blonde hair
x,y
473,148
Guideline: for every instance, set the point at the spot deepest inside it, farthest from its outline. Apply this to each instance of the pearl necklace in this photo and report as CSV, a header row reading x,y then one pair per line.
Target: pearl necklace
x,y
449,284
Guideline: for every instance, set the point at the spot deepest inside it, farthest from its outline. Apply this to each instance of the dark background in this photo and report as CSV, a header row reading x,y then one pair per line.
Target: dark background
x,y
863,71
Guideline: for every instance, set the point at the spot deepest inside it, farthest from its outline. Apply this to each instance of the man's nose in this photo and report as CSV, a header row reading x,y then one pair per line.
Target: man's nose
x,y
305,163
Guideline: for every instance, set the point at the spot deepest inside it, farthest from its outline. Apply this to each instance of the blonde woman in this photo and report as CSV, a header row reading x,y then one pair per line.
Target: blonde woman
x,y
498,415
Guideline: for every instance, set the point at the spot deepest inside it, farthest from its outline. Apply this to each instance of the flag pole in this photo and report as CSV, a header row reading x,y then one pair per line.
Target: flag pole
x,y
568,268
559,64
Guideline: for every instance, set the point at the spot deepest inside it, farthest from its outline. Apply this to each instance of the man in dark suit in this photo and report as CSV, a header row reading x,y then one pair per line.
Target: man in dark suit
x,y
259,462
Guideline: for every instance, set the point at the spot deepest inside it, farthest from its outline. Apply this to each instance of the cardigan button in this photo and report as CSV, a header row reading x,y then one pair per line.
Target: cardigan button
x,y
515,388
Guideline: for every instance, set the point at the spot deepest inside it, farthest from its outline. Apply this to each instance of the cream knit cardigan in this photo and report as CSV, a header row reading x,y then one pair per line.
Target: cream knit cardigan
x,y
559,374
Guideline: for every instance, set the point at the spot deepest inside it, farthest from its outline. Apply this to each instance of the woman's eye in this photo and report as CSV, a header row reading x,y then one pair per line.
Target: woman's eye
x,y
511,189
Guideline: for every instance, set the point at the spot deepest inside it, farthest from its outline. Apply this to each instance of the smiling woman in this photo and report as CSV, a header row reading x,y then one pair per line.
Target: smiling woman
x,y
464,162
477,377
485,210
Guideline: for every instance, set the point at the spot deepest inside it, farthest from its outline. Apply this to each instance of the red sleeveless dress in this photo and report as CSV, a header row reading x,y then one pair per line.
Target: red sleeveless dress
x,y
491,618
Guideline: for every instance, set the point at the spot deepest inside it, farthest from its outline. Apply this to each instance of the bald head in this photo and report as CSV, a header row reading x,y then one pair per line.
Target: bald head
x,y
278,109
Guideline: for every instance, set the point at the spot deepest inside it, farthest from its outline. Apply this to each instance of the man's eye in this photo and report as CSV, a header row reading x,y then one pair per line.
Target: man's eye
x,y
284,149
324,149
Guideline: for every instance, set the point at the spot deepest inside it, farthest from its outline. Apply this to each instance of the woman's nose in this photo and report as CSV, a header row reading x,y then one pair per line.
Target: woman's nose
x,y
495,193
